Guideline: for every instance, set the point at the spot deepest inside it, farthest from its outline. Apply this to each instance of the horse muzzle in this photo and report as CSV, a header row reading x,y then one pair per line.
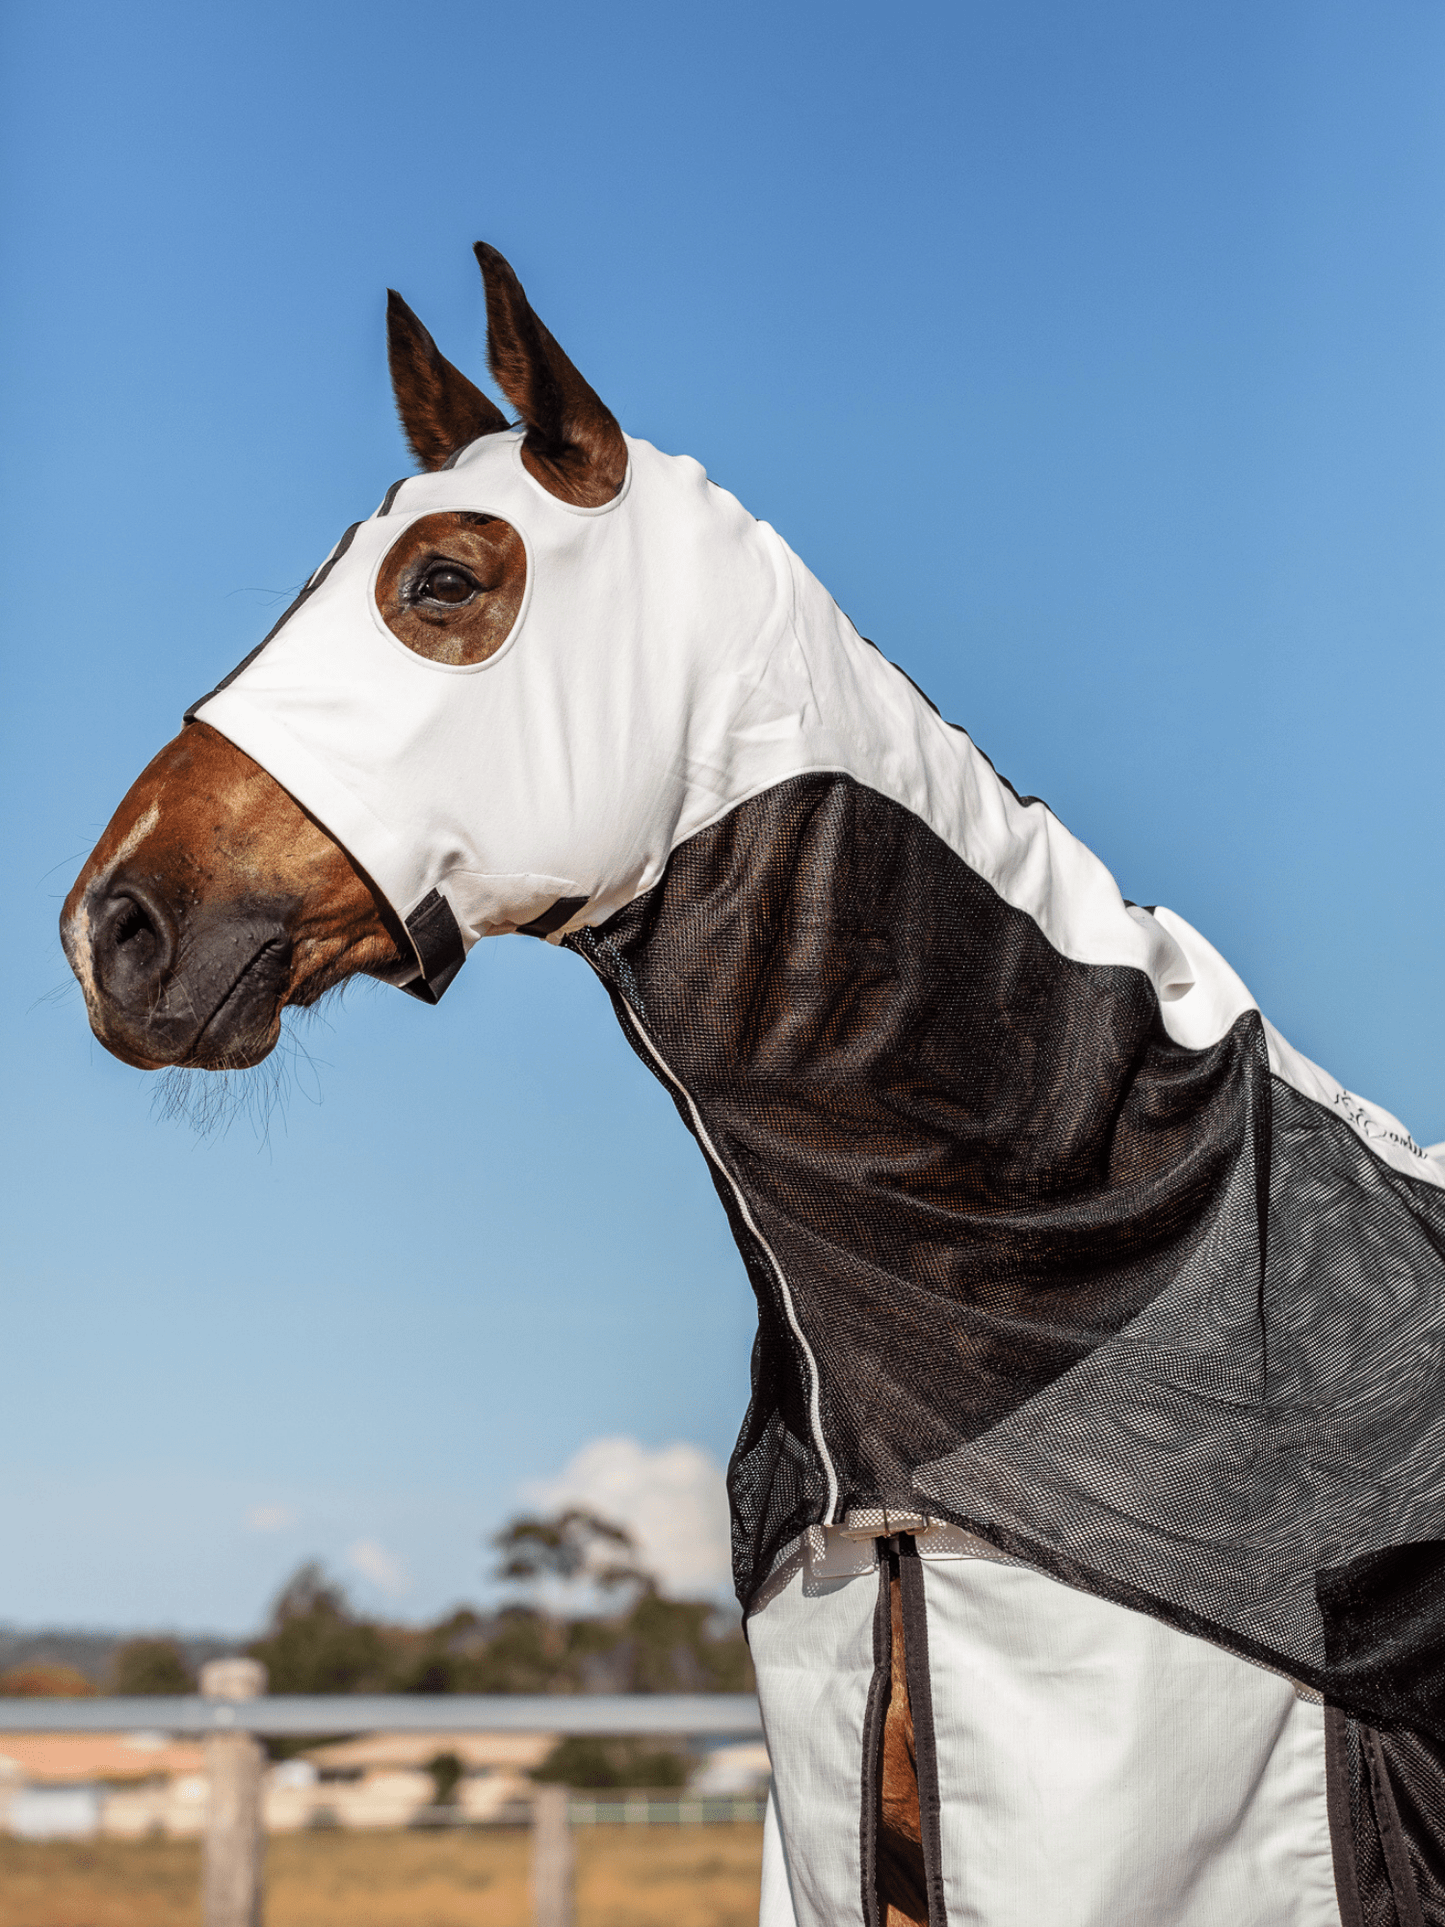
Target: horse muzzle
x,y
167,984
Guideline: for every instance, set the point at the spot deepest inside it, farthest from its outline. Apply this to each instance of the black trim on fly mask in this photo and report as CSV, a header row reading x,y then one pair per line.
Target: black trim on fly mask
x,y
312,585
1024,800
433,930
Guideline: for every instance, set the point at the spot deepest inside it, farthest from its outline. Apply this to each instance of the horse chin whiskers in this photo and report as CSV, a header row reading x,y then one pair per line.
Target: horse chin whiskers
x,y
210,1099
325,984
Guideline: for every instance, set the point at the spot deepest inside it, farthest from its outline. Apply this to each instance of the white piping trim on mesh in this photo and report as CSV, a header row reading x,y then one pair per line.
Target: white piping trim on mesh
x,y
815,1417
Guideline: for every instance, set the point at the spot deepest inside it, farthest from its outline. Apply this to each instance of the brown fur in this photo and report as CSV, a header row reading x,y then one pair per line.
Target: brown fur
x,y
440,410
574,447
902,1885
214,900
477,550
203,828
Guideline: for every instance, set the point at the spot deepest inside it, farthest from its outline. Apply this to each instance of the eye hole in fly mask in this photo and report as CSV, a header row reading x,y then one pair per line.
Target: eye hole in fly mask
x,y
450,586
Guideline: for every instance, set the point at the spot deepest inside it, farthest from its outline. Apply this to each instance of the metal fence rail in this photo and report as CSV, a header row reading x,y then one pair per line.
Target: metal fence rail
x,y
615,1809
612,1807
607,1808
706,1714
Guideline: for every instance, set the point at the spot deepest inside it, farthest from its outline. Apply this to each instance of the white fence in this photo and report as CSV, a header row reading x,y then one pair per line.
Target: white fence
x,y
734,1715
233,1712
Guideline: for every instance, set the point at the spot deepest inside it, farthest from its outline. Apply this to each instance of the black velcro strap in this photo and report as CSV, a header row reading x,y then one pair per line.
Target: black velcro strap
x,y
914,1602
438,943
562,911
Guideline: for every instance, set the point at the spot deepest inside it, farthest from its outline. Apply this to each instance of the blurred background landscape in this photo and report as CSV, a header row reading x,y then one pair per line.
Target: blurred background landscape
x,y
620,1635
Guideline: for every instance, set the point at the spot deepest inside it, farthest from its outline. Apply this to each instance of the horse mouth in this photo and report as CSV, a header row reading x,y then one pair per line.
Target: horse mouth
x,y
243,1026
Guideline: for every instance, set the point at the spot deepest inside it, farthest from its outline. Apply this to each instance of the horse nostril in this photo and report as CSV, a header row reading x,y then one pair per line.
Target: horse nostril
x,y
134,941
132,926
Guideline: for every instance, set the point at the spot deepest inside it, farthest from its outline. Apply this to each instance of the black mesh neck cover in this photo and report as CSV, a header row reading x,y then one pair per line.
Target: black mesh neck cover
x,y
1142,1313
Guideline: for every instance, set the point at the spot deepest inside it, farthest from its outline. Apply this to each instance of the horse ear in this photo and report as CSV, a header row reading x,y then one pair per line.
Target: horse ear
x,y
573,447
440,410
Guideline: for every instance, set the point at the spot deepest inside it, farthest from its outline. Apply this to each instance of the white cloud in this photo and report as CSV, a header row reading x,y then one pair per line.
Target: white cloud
x,y
270,1518
672,1500
382,1568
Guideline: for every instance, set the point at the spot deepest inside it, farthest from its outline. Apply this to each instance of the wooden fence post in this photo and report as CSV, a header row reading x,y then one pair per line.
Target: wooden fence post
x,y
551,1858
235,1846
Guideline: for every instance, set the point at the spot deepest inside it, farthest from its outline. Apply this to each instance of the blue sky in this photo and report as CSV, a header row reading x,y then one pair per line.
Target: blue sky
x,y
1090,355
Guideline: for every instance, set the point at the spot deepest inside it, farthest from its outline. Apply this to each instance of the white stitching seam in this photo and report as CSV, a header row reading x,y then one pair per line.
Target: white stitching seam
x,y
815,1418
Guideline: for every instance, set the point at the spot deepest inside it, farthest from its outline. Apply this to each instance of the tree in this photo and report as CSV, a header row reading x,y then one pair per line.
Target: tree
x,y
142,1667
44,1680
314,1643
678,1649
647,1644
446,1770
569,1546
584,1761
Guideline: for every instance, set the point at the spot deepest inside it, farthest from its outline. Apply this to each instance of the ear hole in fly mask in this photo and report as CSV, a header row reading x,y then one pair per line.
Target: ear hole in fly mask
x,y
451,586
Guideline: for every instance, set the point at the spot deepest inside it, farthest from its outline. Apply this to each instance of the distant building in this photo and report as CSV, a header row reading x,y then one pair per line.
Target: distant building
x,y
381,1780
77,1785
738,1770
73,1785
129,1785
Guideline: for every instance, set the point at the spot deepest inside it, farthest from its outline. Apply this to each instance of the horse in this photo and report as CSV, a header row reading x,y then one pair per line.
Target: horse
x,y
1087,1510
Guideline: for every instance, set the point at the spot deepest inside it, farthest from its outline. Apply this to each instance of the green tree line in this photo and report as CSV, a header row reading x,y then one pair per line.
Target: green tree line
x,y
624,1637
632,1641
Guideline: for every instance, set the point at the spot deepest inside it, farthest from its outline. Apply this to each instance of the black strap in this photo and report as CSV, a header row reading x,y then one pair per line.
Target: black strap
x,y
562,911
925,1744
875,1721
437,940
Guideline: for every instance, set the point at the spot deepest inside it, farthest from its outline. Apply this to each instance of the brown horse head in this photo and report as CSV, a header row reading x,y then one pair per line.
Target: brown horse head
x,y
416,780
214,900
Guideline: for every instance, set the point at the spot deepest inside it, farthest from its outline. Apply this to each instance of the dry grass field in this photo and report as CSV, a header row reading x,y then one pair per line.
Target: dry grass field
x,y
626,1877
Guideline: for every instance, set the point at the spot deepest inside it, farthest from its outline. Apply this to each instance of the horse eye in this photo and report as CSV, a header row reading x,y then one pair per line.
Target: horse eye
x,y
444,582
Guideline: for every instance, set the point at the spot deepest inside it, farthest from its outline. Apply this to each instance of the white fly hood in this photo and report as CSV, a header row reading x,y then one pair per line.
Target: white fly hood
x,y
671,658
566,765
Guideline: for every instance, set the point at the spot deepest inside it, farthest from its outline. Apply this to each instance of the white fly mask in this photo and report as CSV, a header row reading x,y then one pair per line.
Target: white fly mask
x,y
671,658
624,710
